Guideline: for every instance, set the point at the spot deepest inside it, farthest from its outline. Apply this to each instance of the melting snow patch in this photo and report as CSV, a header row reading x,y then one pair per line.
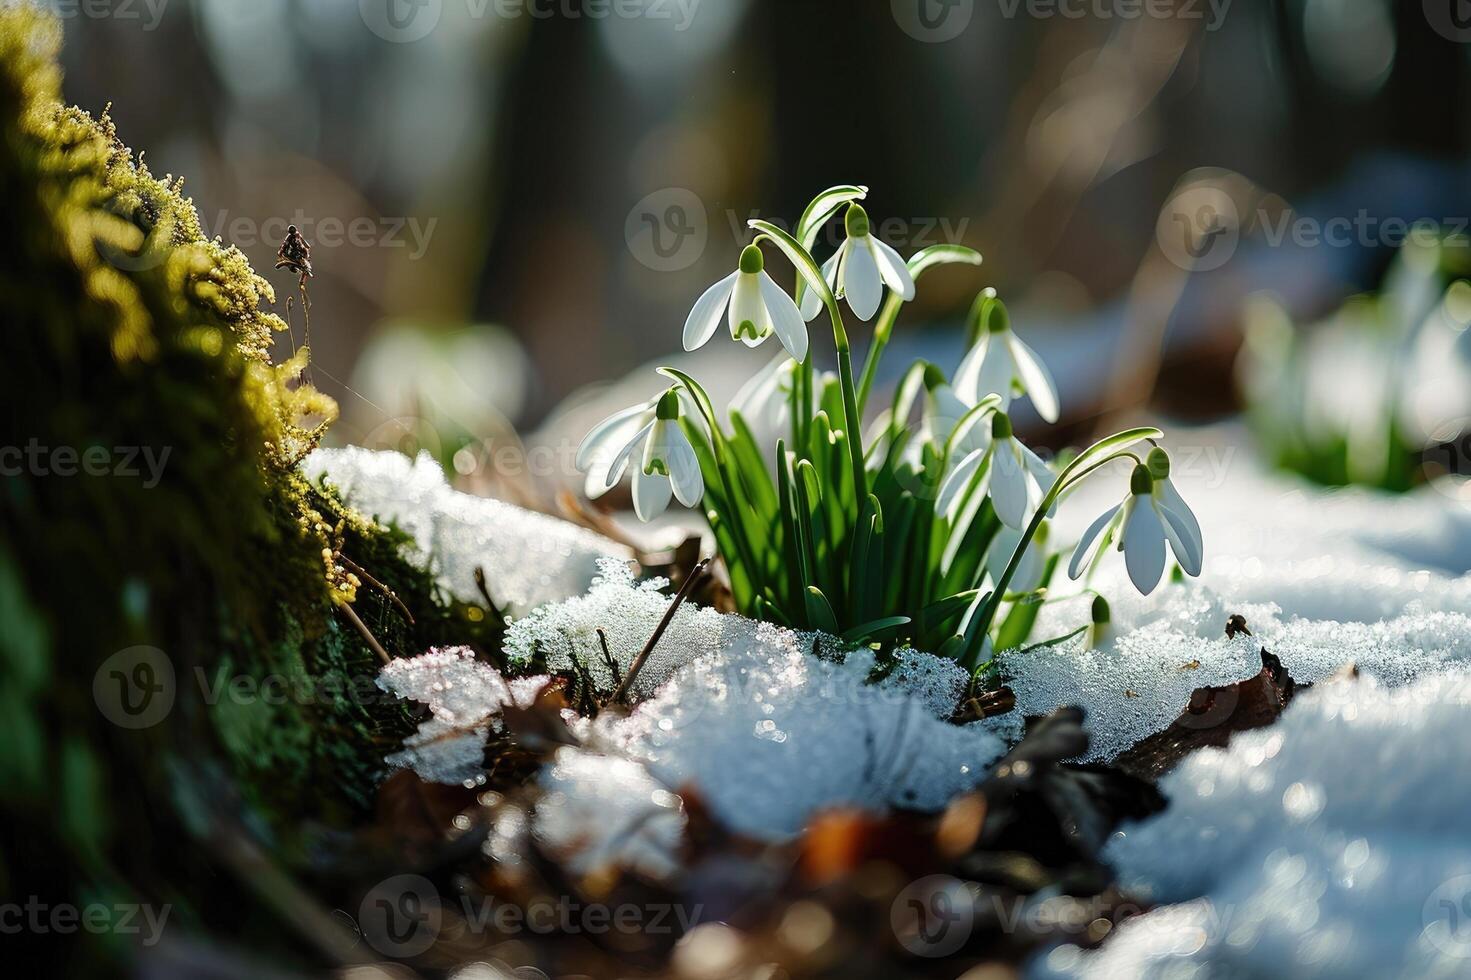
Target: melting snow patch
x,y
528,558
1333,844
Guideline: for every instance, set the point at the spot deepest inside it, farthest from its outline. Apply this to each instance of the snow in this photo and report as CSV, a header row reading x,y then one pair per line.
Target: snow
x,y
528,558
1323,577
1332,844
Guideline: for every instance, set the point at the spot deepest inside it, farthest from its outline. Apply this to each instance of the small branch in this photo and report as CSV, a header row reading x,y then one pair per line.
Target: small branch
x,y
695,575
608,658
352,617
363,573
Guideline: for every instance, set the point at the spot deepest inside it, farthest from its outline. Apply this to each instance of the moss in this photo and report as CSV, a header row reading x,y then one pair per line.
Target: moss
x,y
130,336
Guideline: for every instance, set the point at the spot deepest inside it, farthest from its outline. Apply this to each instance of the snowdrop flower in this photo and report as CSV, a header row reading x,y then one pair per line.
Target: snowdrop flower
x,y
1028,575
944,411
1001,364
1165,493
765,401
1147,523
1017,479
755,307
860,269
667,460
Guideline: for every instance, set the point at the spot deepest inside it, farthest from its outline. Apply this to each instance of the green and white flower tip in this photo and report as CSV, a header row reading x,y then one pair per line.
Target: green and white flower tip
x,y
667,463
755,308
1100,626
1147,523
1001,363
1016,478
859,270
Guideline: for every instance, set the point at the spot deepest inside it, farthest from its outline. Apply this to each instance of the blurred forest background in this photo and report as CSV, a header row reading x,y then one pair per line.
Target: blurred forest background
x,y
510,199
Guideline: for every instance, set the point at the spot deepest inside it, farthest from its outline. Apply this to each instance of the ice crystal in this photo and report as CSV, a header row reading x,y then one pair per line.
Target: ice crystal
x,y
528,558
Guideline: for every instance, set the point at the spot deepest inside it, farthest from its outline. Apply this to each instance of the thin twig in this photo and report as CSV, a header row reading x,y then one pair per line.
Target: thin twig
x,y
695,575
363,573
352,617
485,590
608,658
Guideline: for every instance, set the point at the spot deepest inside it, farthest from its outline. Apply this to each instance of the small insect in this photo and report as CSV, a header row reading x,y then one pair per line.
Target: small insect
x,y
295,254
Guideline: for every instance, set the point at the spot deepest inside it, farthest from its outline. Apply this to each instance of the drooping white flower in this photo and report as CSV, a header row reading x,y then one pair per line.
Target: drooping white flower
x,y
765,401
1002,364
1143,522
945,414
859,270
1016,478
755,308
1028,574
667,462
1169,497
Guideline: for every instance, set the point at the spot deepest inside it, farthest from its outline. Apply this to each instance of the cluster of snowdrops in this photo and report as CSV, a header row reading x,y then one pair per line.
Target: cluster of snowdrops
x,y
934,533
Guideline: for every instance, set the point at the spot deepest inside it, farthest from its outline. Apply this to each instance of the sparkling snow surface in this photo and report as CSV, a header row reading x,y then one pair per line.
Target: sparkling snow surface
x,y
1333,844
529,558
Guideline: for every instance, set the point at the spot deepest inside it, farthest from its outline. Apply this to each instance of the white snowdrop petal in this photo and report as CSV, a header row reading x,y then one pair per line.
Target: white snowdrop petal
x,y
651,493
1171,498
894,271
1090,541
684,468
953,487
861,282
705,317
620,462
811,302
1009,485
968,375
1144,546
746,305
1035,378
785,318
611,434
1181,542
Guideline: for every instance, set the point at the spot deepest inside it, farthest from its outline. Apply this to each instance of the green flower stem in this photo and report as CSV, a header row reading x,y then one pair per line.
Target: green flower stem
x,y
881,333
853,419
1071,476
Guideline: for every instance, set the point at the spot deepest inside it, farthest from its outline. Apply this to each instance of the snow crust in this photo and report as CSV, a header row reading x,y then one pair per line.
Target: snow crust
x,y
1323,578
1333,844
528,558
